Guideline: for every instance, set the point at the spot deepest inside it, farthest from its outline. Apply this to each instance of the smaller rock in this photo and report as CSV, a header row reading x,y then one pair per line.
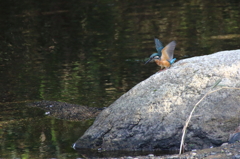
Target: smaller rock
x,y
47,113
213,153
235,138
151,155
224,144
173,157
66,111
229,154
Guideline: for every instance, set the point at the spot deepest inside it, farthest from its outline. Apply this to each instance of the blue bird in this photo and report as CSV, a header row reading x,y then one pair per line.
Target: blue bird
x,y
164,56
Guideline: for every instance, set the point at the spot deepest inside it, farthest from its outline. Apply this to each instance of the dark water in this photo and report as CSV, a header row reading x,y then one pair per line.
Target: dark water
x,y
90,53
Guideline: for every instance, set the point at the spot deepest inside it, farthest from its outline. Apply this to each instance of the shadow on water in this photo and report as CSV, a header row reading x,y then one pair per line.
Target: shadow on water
x,y
90,53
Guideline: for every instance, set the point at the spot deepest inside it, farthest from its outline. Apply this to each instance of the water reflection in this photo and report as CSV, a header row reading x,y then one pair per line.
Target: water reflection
x,y
90,53
26,133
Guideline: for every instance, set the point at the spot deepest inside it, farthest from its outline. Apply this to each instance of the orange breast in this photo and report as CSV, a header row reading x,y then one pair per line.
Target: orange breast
x,y
162,63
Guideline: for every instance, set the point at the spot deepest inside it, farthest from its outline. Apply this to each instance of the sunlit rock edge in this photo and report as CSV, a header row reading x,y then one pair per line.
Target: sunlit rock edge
x,y
151,115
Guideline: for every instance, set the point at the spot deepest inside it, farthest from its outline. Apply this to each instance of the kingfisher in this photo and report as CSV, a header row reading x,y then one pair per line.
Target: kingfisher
x,y
164,56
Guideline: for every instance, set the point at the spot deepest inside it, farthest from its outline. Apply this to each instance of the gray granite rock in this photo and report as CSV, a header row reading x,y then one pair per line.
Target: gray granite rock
x,y
151,115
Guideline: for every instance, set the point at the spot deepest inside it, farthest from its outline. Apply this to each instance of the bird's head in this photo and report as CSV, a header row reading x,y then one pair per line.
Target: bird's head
x,y
152,57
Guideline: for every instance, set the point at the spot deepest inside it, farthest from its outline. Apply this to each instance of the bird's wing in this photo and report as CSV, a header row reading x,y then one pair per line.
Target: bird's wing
x,y
158,45
167,51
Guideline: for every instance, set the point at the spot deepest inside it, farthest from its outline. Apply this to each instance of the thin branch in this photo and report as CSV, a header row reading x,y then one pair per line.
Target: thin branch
x,y
190,116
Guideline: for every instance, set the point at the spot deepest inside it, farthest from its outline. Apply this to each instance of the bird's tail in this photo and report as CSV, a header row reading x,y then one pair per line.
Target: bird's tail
x,y
172,61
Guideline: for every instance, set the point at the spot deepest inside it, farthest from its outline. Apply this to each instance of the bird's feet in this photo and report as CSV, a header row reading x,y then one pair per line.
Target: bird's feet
x,y
162,70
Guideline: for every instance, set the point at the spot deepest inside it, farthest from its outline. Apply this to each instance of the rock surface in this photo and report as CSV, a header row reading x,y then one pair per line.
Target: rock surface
x,y
152,114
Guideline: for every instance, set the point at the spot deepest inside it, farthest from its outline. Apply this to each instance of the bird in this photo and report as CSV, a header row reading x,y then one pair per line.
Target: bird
x,y
164,56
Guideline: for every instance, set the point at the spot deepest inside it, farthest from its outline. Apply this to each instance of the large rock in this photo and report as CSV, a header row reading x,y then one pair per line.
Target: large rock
x,y
152,114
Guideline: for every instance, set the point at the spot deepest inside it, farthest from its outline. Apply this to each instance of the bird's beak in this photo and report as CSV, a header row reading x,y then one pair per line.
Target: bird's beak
x,y
148,61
